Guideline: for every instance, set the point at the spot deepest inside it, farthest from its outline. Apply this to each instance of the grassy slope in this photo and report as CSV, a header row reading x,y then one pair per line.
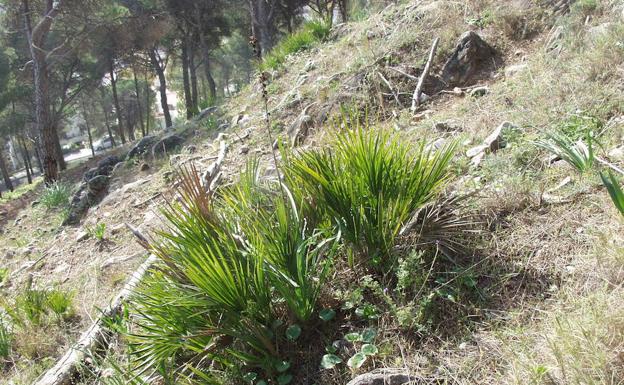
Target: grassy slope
x,y
550,272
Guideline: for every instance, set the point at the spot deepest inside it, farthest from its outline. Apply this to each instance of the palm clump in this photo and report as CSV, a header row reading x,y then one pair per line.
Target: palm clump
x,y
243,271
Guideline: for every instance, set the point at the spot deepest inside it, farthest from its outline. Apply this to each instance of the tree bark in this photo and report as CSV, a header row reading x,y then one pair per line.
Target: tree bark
x,y
37,147
26,157
188,98
264,17
106,120
36,38
212,86
193,73
60,158
148,105
160,71
84,113
120,128
5,170
138,100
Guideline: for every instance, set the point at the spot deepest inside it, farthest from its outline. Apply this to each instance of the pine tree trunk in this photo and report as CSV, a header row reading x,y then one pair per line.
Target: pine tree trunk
x,y
37,147
60,158
264,26
138,100
193,73
212,86
163,87
84,112
5,170
148,105
26,157
45,125
120,128
188,98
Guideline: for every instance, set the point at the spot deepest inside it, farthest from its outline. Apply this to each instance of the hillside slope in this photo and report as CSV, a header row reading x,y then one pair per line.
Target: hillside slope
x,y
535,293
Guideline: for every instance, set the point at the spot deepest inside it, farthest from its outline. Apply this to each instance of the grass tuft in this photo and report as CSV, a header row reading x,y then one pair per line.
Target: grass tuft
x,y
56,196
311,33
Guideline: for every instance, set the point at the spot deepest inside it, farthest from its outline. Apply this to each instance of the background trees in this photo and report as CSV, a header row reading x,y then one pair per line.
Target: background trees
x,y
75,70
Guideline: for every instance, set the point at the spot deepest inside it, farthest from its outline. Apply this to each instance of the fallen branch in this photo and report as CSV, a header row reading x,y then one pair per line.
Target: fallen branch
x,y
423,76
396,97
96,337
403,73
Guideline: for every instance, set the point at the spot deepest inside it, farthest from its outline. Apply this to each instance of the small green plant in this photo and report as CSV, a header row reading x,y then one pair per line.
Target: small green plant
x,y
310,33
580,155
32,305
55,196
6,339
615,191
98,231
60,303
370,183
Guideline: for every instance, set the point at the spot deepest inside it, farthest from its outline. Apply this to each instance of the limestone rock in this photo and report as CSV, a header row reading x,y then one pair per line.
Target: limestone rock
x,y
515,69
167,144
470,55
142,146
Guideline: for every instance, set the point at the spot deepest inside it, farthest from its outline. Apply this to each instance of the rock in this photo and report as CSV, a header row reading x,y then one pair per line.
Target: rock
x,y
470,55
616,154
554,39
142,146
117,228
515,69
445,127
104,167
243,150
597,32
167,144
298,130
206,112
9,254
32,204
223,126
98,184
309,66
479,91
27,251
493,143
383,377
82,236
118,260
144,167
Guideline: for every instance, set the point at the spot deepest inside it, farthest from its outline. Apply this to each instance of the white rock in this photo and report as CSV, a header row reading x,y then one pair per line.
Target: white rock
x,y
82,236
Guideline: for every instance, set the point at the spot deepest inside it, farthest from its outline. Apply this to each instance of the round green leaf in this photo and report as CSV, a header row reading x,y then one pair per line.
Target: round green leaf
x,y
369,335
369,349
293,332
327,314
357,360
282,366
284,379
352,337
330,360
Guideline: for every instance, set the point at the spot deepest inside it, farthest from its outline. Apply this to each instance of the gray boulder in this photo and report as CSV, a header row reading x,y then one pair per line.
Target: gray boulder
x,y
471,55
142,146
167,144
203,114
104,167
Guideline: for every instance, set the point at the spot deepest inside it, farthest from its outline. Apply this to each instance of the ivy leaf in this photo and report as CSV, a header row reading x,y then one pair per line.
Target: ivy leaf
x,y
293,332
282,366
330,360
369,349
368,336
352,337
284,379
356,361
327,314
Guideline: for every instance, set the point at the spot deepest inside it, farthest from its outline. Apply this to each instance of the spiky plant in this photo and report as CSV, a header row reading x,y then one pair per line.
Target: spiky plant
x,y
578,154
6,339
615,191
227,264
371,183
56,195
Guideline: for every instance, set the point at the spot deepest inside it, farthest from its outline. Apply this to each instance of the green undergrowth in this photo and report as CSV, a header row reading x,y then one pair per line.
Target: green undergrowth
x,y
311,32
250,277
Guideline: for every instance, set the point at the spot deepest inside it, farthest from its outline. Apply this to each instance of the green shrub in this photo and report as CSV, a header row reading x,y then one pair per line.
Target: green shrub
x,y
371,183
60,303
578,154
5,339
310,33
97,231
228,266
56,195
32,305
